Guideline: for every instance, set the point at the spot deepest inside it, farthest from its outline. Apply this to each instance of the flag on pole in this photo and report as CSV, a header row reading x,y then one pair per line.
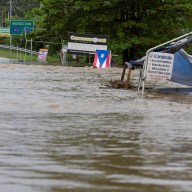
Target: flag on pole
x,y
102,59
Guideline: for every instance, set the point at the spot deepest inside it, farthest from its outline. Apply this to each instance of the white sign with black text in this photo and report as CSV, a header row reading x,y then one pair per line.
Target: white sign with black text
x,y
160,65
86,43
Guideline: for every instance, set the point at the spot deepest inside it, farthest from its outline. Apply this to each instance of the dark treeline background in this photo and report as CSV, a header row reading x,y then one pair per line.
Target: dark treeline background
x,y
135,25
19,8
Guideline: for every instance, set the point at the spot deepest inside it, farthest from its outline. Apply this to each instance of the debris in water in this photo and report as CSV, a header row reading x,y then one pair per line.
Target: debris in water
x,y
118,84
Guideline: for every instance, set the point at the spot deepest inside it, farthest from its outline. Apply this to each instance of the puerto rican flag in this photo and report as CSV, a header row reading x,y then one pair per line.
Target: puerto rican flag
x,y
102,59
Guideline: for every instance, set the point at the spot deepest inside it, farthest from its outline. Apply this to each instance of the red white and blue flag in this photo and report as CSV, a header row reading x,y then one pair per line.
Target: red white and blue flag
x,y
102,59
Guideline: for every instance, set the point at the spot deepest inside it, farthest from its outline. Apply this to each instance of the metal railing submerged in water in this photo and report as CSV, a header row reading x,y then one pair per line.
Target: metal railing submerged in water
x,y
19,49
172,63
143,75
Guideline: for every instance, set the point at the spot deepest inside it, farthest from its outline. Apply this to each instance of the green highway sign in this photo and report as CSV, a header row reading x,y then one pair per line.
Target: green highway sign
x,y
4,32
17,27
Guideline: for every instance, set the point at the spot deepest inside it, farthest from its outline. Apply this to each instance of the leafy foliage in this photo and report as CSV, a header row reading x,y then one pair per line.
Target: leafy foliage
x,y
140,23
137,24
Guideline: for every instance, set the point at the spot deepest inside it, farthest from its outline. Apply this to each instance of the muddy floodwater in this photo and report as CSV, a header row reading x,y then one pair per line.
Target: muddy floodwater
x,y
63,130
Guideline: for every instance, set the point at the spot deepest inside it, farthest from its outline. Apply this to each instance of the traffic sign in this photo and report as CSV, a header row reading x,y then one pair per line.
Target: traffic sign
x,y
17,27
4,32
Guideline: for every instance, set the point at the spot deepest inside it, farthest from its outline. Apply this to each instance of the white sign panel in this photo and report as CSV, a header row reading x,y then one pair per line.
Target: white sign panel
x,y
85,48
42,56
86,43
160,65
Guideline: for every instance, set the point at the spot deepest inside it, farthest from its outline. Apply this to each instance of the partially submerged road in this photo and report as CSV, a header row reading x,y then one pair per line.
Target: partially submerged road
x,y
5,60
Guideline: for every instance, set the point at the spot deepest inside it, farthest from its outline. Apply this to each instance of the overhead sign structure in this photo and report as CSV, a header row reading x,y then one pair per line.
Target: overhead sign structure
x,y
4,32
17,27
160,65
86,43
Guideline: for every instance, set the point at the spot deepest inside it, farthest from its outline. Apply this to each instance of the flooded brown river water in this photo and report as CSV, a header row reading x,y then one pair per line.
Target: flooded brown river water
x,y
63,130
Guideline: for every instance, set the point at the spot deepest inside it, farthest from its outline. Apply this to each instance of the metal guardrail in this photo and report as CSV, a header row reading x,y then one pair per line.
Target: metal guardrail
x,y
19,49
144,71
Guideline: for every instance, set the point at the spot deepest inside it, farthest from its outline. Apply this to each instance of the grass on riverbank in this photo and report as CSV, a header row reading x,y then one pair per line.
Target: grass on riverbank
x,y
27,57
53,59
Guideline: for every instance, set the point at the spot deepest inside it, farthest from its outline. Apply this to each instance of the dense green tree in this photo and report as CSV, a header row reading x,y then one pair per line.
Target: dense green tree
x,y
3,12
20,7
135,24
138,23
3,2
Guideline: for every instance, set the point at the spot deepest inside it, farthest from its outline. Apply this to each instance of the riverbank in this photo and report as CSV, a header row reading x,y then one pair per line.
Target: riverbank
x,y
27,57
5,60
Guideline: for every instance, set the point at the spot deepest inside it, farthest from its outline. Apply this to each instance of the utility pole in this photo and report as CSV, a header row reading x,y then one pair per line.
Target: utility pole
x,y
2,17
10,11
10,16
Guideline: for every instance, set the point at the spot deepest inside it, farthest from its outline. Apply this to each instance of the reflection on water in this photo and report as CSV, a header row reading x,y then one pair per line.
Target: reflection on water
x,y
63,130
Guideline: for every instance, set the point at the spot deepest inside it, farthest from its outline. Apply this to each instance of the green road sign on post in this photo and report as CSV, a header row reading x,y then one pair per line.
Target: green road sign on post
x,y
17,27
